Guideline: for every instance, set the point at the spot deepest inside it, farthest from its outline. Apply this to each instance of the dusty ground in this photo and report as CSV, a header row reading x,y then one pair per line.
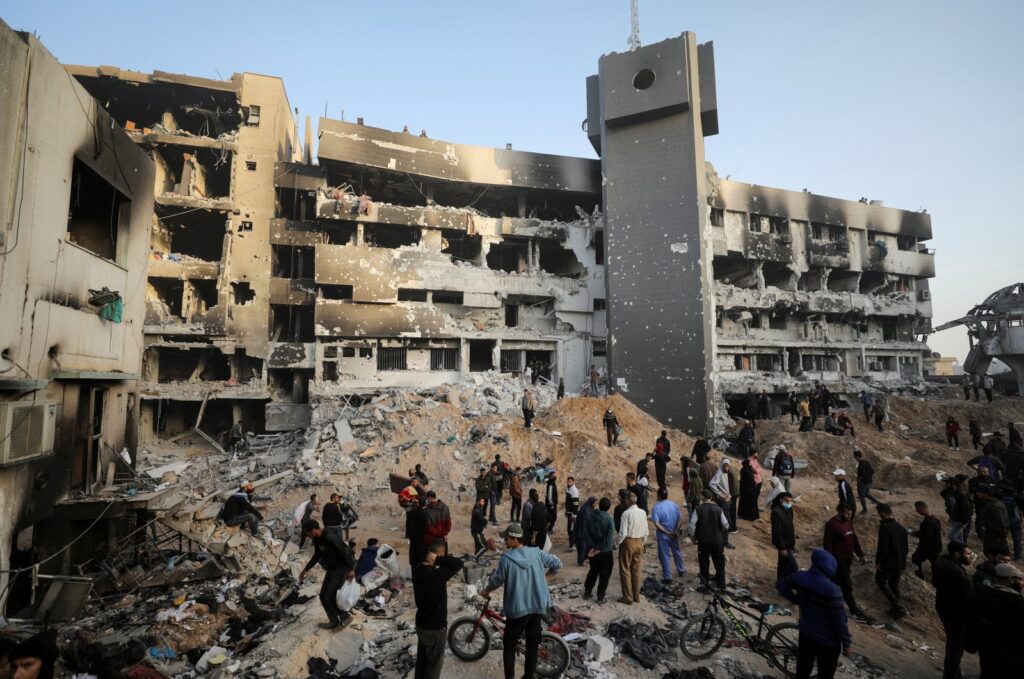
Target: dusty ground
x,y
452,442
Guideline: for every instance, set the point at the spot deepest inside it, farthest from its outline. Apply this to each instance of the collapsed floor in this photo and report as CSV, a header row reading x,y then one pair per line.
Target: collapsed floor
x,y
229,604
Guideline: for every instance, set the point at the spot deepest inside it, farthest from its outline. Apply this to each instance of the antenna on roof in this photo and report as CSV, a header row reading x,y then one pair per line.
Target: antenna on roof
x,y
634,18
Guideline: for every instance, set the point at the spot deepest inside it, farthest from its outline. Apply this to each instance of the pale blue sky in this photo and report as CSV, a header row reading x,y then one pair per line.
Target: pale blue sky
x,y
917,103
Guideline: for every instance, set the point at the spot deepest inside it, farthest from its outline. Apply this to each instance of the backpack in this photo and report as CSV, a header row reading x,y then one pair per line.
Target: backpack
x,y
786,464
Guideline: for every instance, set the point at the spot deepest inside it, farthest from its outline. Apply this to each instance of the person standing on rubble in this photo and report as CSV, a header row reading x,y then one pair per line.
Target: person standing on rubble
x,y
747,509
745,439
643,466
824,633
842,543
632,534
538,521
515,494
750,407
865,480
600,532
929,539
416,531
784,535
439,519
722,486
696,490
975,384
952,433
582,537
701,448
878,410
521,572
966,384
529,408
494,490
987,383
844,492
611,427
890,559
866,402
594,378
304,512
953,603
620,508
806,423
477,524
430,590
238,509
975,431
572,509
710,529
794,408
784,467
561,389
551,499
667,519
417,473
334,554
661,460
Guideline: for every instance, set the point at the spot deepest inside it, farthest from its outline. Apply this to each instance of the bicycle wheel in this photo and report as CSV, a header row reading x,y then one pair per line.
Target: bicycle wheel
x,y
782,642
553,656
468,641
702,636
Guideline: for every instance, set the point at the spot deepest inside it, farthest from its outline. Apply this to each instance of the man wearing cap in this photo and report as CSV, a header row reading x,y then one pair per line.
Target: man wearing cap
x,y
845,491
823,626
239,511
1000,623
784,535
709,527
332,552
521,572
633,532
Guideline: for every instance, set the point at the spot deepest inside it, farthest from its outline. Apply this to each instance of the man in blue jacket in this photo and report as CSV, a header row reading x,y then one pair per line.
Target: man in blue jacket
x,y
823,630
521,572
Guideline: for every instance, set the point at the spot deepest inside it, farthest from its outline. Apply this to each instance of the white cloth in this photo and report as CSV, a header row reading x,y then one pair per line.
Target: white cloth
x,y
633,524
300,511
720,485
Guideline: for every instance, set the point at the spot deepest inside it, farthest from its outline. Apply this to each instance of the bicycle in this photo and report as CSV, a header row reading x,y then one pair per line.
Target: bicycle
x,y
470,639
705,634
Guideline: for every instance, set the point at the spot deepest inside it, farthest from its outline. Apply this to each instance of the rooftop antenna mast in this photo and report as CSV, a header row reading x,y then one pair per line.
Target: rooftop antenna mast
x,y
634,17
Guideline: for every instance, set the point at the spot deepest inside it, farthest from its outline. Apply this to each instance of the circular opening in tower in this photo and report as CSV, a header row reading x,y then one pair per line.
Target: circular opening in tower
x,y
643,79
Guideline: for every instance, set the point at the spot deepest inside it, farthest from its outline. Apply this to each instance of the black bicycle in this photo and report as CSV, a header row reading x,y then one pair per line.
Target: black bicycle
x,y
705,634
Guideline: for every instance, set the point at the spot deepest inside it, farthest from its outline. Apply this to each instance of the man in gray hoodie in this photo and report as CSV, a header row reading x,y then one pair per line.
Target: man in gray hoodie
x,y
521,572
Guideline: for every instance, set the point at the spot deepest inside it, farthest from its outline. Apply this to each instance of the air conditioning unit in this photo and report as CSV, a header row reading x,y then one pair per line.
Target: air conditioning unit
x,y
925,295
26,431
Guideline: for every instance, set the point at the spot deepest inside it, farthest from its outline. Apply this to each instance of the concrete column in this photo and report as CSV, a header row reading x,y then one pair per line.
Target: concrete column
x,y
236,412
359,234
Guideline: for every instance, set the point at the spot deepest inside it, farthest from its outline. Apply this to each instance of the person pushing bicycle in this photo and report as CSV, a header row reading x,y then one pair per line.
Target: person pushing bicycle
x,y
521,572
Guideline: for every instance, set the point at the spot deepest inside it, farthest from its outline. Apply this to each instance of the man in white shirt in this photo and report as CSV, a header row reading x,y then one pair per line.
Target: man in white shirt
x,y
633,532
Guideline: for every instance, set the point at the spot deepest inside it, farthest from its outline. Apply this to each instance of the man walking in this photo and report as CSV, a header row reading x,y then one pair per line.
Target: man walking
x,y
661,460
611,427
953,603
993,523
784,535
844,491
823,627
709,527
633,533
600,533
667,518
784,467
430,590
521,572
987,383
551,500
890,559
974,429
929,539
303,513
332,552
865,480
841,542
528,406
572,509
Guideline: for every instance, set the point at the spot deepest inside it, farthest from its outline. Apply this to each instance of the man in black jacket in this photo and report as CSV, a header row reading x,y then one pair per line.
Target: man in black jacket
x,y
551,501
784,535
865,480
929,539
416,530
709,528
999,623
992,522
430,589
538,532
700,451
953,603
334,554
477,524
975,430
239,511
890,559
666,445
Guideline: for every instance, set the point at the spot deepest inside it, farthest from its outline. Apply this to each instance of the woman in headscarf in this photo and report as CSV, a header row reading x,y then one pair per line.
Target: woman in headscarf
x,y
756,466
721,487
775,489
582,519
696,489
748,493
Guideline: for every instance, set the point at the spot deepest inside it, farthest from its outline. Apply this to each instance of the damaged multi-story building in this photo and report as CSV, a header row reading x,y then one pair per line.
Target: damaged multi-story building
x,y
397,260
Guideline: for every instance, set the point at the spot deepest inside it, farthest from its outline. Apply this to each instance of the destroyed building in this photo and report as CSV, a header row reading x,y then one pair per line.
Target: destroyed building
x,y
995,331
398,260
76,205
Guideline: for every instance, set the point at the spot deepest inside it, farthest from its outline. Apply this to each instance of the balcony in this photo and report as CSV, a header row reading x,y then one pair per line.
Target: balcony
x,y
905,262
831,253
771,247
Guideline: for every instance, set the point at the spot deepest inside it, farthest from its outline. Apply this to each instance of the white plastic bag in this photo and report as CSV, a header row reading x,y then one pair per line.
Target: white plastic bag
x,y
375,577
387,558
547,543
348,595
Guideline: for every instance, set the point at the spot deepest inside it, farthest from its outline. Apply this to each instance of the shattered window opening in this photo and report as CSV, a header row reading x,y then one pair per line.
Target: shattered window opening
x,y
448,296
242,293
411,295
511,360
96,211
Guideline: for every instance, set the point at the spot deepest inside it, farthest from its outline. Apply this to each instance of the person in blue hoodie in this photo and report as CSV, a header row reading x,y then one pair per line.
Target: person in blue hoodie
x,y
823,630
521,572
367,558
